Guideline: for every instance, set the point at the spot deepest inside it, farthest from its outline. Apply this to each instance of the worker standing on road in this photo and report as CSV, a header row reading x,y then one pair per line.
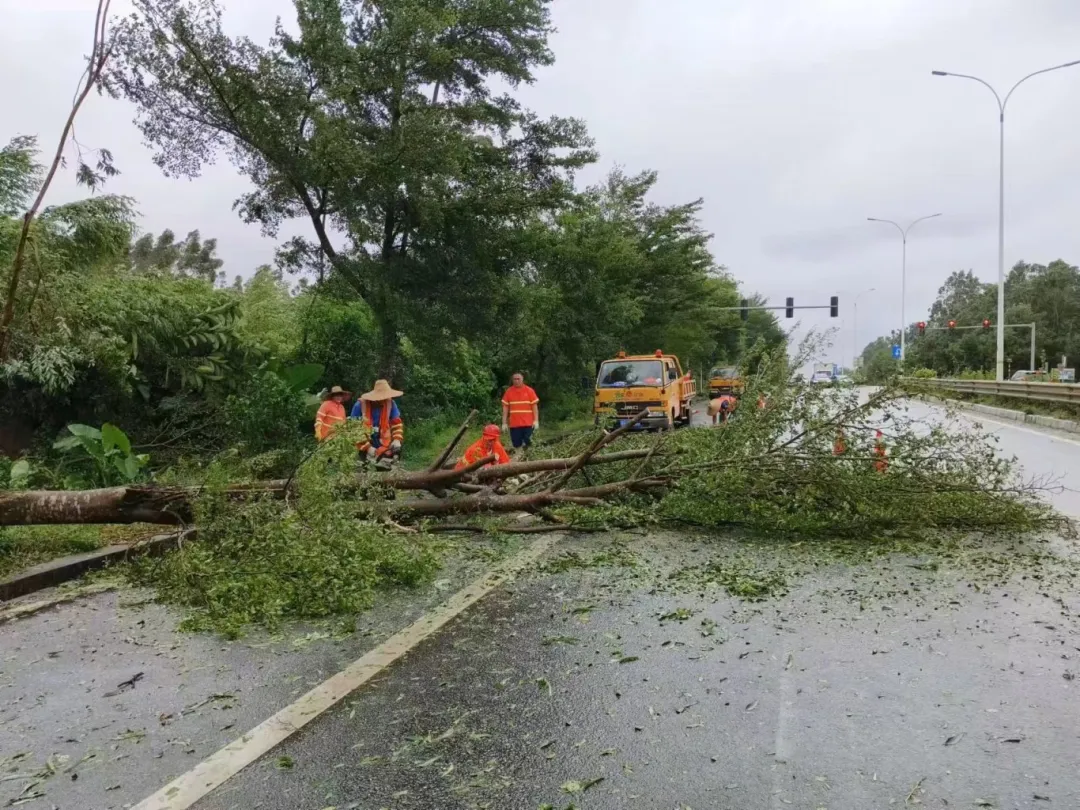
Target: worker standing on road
x,y
839,445
881,463
331,412
487,445
521,412
383,419
721,408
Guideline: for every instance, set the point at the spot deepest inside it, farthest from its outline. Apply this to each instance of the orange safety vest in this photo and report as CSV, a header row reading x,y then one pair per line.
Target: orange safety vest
x,y
882,463
391,429
480,449
839,446
330,415
520,400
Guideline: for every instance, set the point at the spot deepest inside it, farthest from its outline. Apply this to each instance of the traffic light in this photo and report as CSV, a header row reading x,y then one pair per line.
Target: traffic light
x,y
952,324
790,311
834,306
922,327
986,323
744,313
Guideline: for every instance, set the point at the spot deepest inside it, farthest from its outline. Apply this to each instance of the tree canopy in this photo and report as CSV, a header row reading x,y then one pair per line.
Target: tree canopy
x,y
1046,295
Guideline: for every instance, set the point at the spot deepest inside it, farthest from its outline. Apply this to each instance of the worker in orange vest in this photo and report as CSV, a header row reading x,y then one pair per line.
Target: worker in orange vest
x,y
382,422
881,463
839,445
721,408
331,412
521,412
487,445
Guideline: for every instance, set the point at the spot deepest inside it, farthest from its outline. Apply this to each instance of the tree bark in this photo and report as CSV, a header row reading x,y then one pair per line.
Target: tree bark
x,y
112,505
171,506
445,454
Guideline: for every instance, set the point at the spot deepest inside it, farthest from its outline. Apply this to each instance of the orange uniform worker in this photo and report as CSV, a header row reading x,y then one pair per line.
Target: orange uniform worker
x,y
721,408
382,419
487,445
881,463
521,412
331,412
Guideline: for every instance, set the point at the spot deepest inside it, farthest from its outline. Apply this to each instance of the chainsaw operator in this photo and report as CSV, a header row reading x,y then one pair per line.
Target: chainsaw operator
x,y
383,419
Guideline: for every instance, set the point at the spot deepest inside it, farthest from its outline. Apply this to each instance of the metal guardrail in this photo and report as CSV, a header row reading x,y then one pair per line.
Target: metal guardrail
x,y
1044,391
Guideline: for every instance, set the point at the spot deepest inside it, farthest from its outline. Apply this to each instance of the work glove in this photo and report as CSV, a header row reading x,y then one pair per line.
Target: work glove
x,y
372,454
536,425
395,446
505,427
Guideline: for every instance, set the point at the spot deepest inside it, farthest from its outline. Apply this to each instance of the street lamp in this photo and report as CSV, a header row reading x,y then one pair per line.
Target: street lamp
x,y
903,274
855,325
1001,199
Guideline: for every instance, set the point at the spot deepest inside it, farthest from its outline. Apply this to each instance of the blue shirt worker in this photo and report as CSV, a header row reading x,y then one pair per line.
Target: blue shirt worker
x,y
381,416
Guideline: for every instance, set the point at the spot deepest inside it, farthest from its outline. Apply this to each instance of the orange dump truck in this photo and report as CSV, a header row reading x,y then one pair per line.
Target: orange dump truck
x,y
656,383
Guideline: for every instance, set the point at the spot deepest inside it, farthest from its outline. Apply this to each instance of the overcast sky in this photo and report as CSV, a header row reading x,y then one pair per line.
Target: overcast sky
x,y
794,119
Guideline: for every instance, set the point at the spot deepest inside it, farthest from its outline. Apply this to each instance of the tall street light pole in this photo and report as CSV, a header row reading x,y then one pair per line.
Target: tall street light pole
x,y
903,275
1001,198
855,326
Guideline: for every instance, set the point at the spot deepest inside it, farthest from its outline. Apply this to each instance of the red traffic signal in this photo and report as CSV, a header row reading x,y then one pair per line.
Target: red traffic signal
x,y
986,323
922,327
952,324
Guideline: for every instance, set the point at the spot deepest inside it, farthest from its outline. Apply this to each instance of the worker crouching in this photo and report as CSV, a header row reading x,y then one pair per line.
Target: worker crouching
x,y
721,408
381,417
487,445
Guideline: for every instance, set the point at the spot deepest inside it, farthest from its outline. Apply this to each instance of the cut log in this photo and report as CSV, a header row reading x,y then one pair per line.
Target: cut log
x,y
474,504
173,505
113,505
545,464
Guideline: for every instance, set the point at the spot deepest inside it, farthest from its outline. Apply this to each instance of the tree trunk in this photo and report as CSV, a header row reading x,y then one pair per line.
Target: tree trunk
x,y
164,505
112,505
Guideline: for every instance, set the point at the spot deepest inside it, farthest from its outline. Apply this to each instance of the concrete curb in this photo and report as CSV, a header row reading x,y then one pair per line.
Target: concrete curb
x,y
66,569
1066,425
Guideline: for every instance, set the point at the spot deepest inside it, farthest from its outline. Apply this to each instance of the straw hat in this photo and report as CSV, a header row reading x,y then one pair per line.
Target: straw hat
x,y
337,389
381,391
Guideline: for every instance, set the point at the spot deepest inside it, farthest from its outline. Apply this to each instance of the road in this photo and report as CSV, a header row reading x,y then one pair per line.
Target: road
x,y
616,673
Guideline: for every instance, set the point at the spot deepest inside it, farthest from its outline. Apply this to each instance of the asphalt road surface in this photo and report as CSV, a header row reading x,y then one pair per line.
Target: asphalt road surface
x,y
617,673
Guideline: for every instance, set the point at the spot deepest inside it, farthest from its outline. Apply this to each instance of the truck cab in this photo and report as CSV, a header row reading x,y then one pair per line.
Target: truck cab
x,y
656,383
725,380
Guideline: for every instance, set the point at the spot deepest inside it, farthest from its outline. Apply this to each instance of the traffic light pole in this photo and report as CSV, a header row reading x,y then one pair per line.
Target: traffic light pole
x,y
1030,326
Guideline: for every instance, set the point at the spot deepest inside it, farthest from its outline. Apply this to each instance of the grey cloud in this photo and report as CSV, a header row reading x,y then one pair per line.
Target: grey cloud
x,y
794,119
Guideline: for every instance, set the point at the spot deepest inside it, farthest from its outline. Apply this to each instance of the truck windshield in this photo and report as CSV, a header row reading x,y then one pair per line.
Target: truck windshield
x,y
725,373
630,373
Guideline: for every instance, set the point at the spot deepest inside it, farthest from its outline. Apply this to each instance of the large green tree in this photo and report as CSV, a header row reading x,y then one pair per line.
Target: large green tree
x,y
1046,295
379,123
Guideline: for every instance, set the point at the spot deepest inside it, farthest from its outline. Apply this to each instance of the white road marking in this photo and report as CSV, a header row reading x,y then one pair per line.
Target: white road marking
x,y
216,769
975,416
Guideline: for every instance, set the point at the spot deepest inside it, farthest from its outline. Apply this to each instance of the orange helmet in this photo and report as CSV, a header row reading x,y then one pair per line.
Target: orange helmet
x,y
491,432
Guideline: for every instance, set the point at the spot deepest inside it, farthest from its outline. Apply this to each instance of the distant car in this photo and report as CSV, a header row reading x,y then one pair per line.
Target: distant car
x,y
844,379
822,378
1029,376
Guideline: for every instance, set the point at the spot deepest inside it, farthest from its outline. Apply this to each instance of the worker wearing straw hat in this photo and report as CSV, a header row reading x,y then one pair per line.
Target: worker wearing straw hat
x,y
383,419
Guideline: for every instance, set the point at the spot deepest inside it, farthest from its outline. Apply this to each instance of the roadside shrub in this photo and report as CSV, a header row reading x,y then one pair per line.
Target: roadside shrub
x,y
267,415
265,562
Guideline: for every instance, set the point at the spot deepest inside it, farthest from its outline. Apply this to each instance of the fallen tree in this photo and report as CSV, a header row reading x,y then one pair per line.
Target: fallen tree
x,y
813,463
173,505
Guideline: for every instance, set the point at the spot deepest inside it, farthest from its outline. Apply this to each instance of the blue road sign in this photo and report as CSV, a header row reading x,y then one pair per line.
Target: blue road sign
x,y
896,352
